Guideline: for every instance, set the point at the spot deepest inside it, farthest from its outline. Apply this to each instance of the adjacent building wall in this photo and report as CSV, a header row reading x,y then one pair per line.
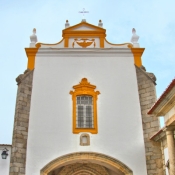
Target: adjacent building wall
x,y
147,94
5,163
20,131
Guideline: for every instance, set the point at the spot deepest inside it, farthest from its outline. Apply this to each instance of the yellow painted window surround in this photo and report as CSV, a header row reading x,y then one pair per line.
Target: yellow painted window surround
x,y
84,90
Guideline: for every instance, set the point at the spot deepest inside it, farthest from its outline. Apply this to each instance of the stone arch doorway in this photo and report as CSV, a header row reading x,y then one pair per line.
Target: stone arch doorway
x,y
86,159
82,169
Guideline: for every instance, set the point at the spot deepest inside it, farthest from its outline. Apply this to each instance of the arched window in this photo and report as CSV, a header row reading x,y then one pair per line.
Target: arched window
x,y
84,107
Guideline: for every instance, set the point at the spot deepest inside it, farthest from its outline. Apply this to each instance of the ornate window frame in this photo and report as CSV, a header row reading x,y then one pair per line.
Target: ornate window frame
x,y
85,88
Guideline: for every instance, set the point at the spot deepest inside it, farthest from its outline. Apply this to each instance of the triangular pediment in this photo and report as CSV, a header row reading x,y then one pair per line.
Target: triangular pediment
x,y
84,26
83,29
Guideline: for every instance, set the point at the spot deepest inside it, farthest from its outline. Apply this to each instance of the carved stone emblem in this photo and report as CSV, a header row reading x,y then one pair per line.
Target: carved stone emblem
x,y
84,42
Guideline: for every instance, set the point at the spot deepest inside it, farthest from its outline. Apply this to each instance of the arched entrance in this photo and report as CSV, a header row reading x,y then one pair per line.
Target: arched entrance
x,y
82,169
87,160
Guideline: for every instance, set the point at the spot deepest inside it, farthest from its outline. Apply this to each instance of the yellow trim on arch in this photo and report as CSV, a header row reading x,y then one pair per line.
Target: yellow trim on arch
x,y
84,88
31,54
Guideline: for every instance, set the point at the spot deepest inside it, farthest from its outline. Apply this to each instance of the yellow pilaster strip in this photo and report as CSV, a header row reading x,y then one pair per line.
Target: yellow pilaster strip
x,y
137,53
31,53
102,42
66,42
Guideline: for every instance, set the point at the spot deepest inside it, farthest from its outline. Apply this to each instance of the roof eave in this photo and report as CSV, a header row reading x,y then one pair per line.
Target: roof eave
x,y
164,103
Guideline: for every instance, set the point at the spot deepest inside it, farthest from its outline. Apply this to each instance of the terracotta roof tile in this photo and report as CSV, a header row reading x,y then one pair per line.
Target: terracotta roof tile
x,y
5,145
168,89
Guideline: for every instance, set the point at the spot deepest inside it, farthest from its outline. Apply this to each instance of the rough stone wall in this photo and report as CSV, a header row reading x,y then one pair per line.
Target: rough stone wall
x,y
20,130
147,95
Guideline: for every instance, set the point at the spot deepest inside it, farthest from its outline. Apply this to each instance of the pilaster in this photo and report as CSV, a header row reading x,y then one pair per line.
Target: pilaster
x,y
171,150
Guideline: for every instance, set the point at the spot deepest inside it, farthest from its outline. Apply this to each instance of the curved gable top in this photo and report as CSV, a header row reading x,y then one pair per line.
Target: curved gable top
x,y
84,35
81,36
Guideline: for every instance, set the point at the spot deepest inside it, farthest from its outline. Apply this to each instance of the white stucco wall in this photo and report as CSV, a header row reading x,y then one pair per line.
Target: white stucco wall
x,y
119,119
5,163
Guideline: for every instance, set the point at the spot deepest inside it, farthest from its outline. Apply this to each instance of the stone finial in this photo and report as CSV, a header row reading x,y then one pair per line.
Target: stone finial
x,y
135,38
100,24
67,24
33,38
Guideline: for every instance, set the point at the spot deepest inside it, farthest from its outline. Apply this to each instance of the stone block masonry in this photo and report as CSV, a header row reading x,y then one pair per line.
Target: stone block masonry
x,y
147,95
21,121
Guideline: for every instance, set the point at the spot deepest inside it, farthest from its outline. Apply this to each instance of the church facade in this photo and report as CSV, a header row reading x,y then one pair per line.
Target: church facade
x,y
82,108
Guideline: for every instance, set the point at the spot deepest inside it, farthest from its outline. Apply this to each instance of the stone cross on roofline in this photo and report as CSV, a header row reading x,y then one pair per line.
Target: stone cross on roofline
x,y
83,12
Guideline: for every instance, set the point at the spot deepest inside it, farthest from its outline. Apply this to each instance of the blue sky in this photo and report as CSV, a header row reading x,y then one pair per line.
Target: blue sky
x,y
154,21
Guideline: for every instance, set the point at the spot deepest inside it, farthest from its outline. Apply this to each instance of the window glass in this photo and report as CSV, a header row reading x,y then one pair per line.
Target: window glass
x,y
84,139
84,112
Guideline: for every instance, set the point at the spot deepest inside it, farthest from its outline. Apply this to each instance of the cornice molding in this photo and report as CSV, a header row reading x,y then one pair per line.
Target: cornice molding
x,y
85,52
159,136
168,96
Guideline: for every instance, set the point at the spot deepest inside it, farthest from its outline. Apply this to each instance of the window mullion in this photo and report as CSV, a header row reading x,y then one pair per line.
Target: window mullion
x,y
84,115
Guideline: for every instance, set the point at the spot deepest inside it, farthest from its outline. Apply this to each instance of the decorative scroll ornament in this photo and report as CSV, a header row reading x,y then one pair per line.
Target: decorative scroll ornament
x,y
84,42
84,87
